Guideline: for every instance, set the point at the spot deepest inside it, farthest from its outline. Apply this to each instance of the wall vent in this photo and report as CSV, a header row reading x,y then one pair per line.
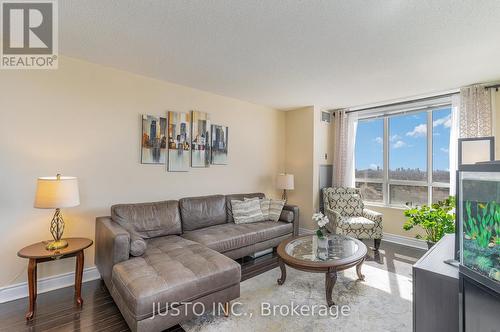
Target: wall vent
x,y
326,117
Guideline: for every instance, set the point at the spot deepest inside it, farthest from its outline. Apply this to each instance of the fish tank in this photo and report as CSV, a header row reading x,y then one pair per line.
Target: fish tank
x,y
478,204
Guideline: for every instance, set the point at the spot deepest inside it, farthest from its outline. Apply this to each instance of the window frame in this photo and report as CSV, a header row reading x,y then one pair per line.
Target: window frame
x,y
386,181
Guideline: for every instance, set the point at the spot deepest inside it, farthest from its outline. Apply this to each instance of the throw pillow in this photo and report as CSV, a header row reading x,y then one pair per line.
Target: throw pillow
x,y
265,204
275,209
245,212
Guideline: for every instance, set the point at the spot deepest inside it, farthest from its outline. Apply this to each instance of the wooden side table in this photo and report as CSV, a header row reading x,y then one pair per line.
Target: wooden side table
x,y
36,253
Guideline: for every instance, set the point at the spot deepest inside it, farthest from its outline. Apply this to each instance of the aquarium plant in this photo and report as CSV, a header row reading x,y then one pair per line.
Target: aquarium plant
x,y
481,228
436,220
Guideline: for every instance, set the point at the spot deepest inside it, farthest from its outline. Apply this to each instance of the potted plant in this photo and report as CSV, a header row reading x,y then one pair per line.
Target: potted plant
x,y
436,220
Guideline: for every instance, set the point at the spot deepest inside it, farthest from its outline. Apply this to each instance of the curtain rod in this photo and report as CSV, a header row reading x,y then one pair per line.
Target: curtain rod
x,y
494,86
404,102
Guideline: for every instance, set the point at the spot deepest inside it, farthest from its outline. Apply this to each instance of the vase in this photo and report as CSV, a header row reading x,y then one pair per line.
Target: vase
x,y
322,251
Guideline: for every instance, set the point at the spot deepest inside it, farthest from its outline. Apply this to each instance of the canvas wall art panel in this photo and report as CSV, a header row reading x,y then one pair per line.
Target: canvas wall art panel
x,y
219,144
154,142
179,142
200,139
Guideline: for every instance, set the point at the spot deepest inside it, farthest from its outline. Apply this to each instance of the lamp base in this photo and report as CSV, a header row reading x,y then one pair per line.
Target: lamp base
x,y
54,245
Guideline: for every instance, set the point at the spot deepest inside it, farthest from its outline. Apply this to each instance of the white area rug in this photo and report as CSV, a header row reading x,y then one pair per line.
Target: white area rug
x,y
380,303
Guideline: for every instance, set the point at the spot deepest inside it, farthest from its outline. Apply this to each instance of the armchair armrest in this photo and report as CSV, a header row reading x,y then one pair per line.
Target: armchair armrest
x,y
112,245
334,218
373,216
295,221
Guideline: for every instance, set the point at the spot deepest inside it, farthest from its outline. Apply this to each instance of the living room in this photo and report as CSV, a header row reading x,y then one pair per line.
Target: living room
x,y
260,166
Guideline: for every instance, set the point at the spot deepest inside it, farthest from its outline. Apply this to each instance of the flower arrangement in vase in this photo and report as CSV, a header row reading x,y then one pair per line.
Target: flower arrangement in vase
x,y
321,220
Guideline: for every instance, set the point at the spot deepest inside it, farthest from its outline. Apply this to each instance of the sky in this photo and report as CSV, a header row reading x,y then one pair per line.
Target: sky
x,y
408,141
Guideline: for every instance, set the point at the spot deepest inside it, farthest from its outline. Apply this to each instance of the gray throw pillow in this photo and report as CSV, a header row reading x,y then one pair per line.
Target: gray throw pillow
x,y
245,212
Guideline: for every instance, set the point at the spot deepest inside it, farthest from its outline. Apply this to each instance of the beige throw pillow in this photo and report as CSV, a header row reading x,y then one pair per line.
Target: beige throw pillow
x,y
265,204
275,208
245,212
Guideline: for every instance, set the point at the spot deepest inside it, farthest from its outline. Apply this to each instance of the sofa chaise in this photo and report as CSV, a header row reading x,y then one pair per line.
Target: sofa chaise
x,y
188,257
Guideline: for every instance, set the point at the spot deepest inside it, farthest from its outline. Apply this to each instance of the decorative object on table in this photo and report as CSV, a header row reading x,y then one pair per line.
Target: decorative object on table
x,y
321,220
219,145
179,142
436,220
322,243
57,192
345,209
200,139
297,252
474,150
154,141
37,253
479,221
285,182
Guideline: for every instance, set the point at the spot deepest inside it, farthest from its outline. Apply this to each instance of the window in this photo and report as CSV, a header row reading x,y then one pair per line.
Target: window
x,y
403,157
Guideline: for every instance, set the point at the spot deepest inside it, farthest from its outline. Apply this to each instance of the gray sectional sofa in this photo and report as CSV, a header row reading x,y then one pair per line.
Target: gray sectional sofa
x,y
190,245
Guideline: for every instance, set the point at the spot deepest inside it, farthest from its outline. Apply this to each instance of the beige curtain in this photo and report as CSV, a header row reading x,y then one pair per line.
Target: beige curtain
x,y
343,154
475,115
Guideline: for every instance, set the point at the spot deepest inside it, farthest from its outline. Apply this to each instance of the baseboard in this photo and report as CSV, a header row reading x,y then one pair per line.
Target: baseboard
x,y
18,291
393,238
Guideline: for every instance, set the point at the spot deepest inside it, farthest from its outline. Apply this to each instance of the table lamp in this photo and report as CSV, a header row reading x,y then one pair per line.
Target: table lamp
x,y
56,192
285,182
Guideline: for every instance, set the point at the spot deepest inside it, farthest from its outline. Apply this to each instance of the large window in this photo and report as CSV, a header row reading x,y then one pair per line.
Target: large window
x,y
403,158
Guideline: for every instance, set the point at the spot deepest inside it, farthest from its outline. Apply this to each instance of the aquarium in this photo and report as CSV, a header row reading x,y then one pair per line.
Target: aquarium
x,y
479,213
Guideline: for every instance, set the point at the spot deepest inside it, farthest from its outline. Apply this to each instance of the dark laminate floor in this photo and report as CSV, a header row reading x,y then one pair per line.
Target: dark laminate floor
x,y
56,310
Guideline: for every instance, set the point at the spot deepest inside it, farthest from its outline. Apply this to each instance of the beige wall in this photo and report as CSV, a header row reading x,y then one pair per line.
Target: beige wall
x,y
299,159
84,120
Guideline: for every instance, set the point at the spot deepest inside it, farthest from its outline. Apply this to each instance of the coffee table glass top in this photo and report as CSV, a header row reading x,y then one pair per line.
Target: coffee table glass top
x,y
306,248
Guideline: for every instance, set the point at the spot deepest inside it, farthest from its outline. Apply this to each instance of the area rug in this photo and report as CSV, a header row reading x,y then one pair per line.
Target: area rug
x,y
380,303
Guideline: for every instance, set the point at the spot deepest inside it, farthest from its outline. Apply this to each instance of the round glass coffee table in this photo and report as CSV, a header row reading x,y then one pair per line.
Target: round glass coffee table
x,y
307,253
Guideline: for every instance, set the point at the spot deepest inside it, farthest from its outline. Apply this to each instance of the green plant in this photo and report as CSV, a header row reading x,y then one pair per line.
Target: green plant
x,y
482,226
436,220
483,263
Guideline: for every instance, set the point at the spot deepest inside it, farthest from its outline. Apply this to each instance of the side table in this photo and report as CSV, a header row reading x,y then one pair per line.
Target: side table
x,y
36,253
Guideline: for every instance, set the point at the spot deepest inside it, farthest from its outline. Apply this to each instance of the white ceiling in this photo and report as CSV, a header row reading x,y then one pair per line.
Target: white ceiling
x,y
292,53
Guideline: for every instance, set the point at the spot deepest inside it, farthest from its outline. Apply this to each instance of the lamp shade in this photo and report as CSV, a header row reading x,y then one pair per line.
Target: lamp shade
x,y
56,192
285,181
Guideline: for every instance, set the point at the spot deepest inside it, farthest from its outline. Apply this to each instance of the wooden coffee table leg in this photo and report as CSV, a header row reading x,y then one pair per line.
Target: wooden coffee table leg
x,y
358,270
330,280
32,288
78,277
282,279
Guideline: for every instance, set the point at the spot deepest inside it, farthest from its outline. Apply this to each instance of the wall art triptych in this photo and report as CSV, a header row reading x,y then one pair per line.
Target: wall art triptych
x,y
183,139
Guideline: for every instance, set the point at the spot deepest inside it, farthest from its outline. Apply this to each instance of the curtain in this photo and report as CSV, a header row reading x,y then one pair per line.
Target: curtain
x,y
476,117
454,129
343,154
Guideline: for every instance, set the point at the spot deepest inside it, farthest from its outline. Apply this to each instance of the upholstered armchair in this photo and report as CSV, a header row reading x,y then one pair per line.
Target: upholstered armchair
x,y
345,209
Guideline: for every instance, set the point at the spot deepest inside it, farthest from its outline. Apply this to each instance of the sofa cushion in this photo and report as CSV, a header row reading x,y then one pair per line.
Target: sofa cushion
x,y
231,236
203,211
173,269
246,211
238,197
149,219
